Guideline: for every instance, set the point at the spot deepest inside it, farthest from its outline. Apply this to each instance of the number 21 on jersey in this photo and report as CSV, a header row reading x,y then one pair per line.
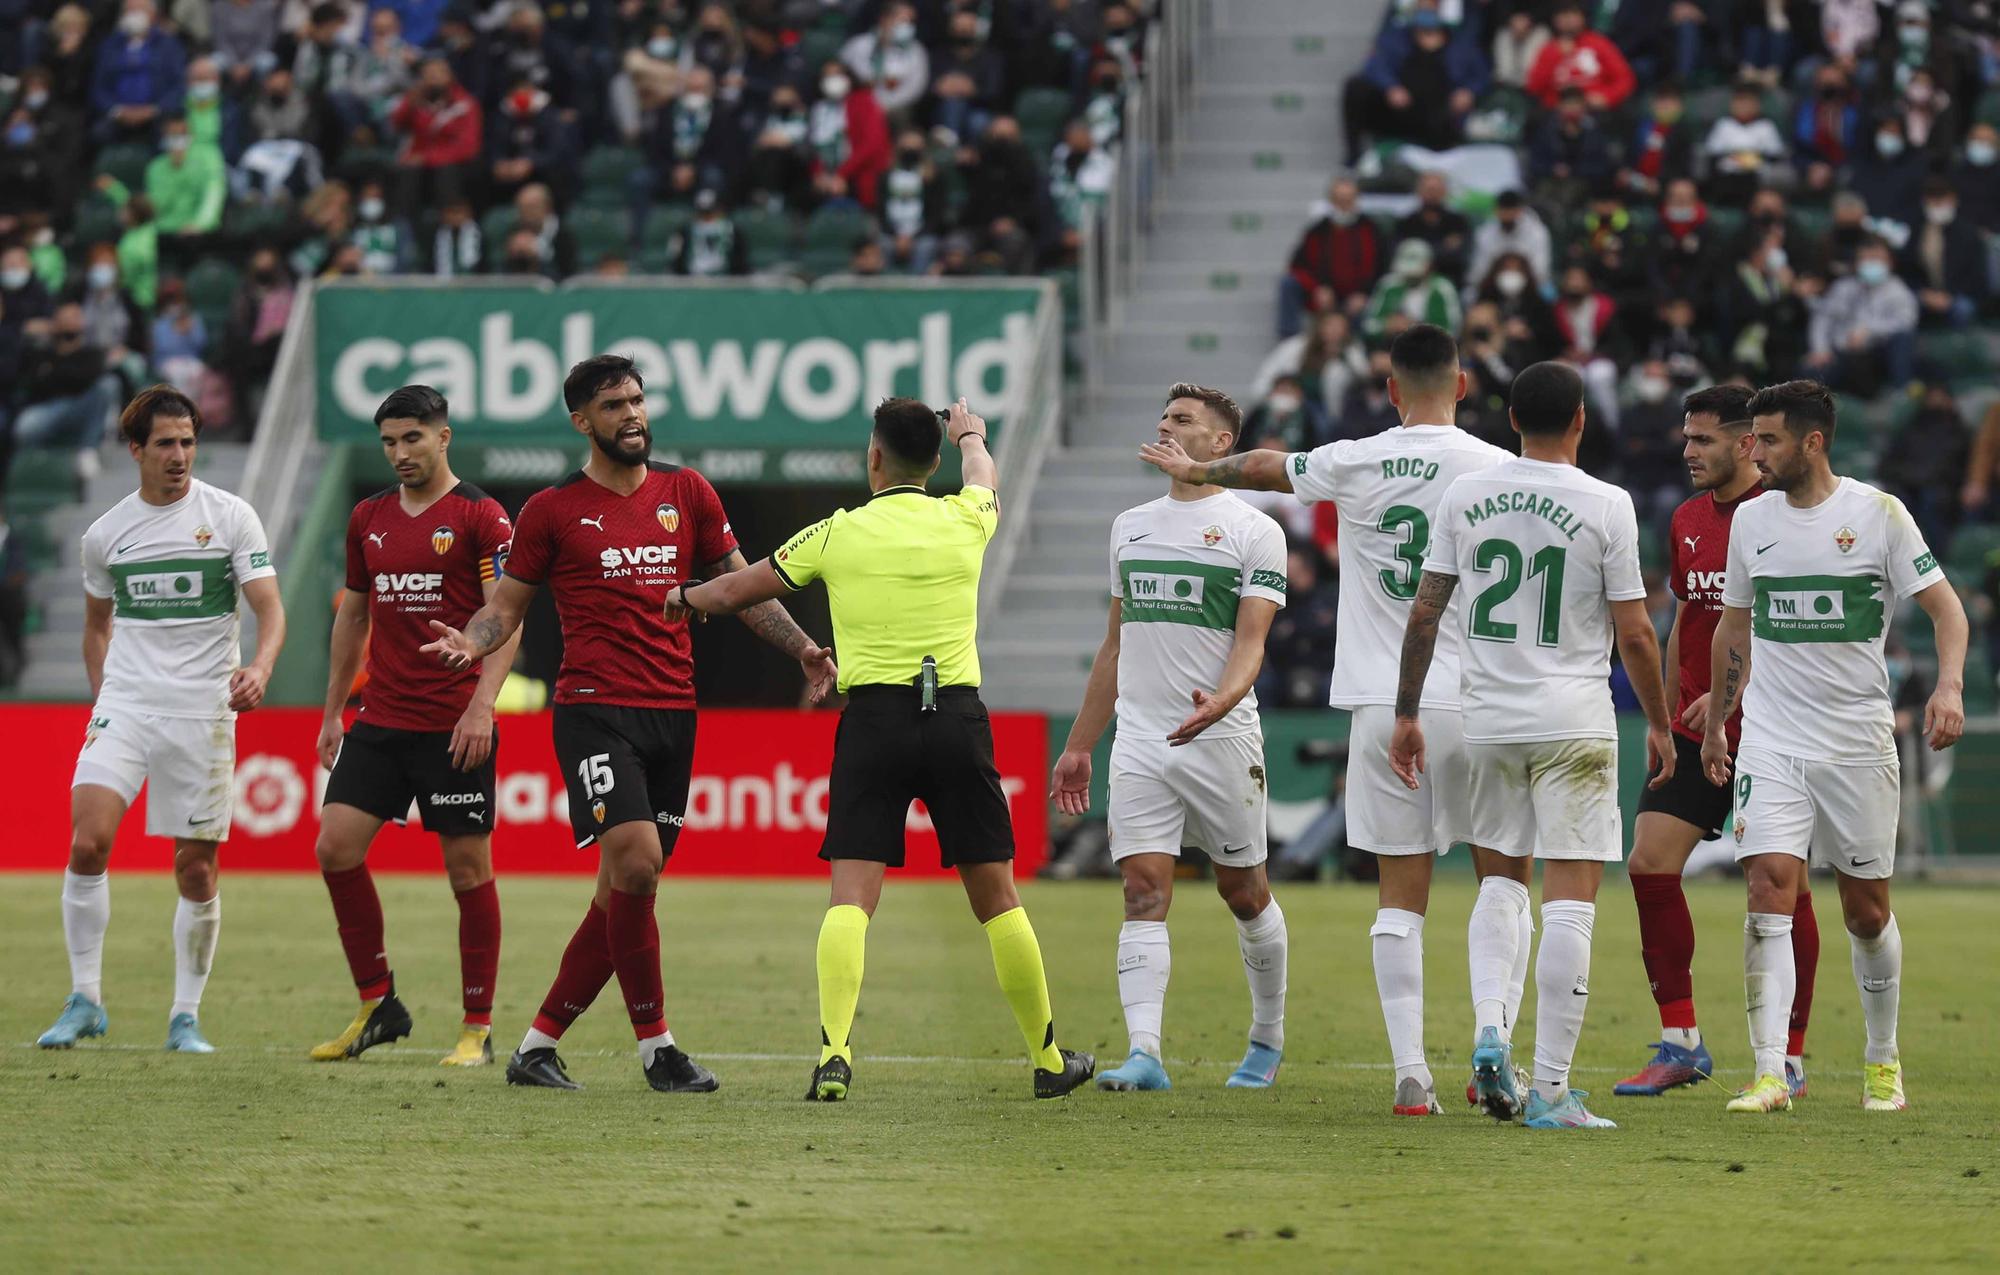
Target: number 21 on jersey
x,y
1505,556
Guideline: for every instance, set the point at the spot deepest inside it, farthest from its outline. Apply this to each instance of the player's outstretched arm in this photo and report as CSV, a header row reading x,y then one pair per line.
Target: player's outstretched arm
x,y
1246,657
472,735
344,648
1944,715
1639,648
752,593
489,626
1729,676
97,614
1258,470
1069,786
246,684
1406,743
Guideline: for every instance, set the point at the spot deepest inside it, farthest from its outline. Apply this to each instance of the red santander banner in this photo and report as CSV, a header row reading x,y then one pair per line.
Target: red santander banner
x,y
756,807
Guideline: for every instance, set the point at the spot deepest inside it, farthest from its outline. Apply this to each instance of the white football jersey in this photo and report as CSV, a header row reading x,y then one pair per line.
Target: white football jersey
x,y
1179,568
1541,551
173,573
1387,490
1819,583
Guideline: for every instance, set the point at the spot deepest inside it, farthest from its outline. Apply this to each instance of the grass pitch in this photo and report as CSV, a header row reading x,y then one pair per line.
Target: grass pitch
x,y
118,1156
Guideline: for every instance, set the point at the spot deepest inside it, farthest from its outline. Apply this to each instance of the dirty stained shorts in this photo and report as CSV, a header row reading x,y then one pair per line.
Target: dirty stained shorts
x,y
1549,799
1207,794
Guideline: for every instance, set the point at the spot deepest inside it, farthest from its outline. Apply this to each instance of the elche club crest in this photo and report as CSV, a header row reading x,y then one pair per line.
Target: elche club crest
x,y
1211,535
442,539
670,518
202,535
1844,539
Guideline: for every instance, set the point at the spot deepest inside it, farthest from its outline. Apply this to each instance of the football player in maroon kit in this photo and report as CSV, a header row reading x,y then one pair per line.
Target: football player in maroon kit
x,y
613,540
1688,808
430,548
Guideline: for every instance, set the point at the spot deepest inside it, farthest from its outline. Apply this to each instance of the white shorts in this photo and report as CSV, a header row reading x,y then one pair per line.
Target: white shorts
x,y
1383,816
187,763
1550,799
1841,817
1208,794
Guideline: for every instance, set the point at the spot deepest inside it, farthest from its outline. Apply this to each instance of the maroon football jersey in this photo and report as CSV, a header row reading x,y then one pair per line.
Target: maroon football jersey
x,y
611,560
1696,560
415,568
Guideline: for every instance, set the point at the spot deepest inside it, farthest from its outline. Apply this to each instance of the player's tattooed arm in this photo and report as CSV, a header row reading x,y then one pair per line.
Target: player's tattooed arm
x,y
1258,470
1729,675
767,618
1434,592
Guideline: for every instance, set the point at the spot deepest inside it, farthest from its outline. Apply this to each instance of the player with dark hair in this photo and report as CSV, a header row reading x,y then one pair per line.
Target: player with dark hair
x,y
1814,571
164,572
429,548
1679,814
613,540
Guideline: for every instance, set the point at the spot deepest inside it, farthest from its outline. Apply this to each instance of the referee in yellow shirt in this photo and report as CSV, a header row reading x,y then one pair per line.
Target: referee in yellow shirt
x,y
902,578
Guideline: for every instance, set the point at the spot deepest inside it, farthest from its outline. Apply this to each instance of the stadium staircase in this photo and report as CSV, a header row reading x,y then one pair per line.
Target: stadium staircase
x,y
1251,146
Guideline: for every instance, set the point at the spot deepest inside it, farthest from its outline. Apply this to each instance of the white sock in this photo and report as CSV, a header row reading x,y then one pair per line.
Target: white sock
x,y
1145,960
86,908
1878,971
1264,944
1770,981
1686,1037
651,1045
1562,990
196,927
1493,949
1517,982
1399,980
537,1040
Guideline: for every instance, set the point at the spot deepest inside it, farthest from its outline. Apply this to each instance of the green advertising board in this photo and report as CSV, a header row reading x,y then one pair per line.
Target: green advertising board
x,y
747,384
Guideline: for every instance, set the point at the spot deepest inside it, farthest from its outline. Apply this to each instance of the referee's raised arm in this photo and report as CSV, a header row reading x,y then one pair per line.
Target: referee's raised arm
x,y
968,433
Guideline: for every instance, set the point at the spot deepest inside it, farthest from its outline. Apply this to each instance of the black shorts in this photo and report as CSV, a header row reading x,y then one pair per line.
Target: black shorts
x,y
625,765
380,770
887,753
1688,796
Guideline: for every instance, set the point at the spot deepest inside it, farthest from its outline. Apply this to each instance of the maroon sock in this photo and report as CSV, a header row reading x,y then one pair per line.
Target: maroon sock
x,y
357,910
635,950
585,969
1666,942
1805,955
479,950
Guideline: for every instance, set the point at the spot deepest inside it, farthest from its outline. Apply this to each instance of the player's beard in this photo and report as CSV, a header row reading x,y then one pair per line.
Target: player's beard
x,y
1776,479
419,476
618,453
1713,479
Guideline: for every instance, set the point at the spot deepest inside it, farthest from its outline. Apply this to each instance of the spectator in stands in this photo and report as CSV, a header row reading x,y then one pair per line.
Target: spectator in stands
x,y
458,247
1663,146
186,183
328,214
889,58
1336,262
1325,359
459,44
1761,316
1977,178
867,259
957,257
1489,376
1744,149
442,132
138,251
72,55
527,50
1845,236
1677,344
535,215
849,135
1826,126
1445,229
281,113
385,66
384,241
530,142
25,304
711,246
326,63
243,35
1650,451
30,162
1864,330
1412,292
1298,652
769,63
1526,321
969,83
1418,87
1614,249
1581,59
1054,40
779,170
1367,411
214,119
112,321
1680,258
141,76
1004,184
1924,463
521,254
1889,176
1104,102
180,340
1286,419
1912,45
67,393
913,207
420,20
1945,261
1513,228
1592,338
1570,155
13,602
257,320
1124,37
1516,46
1982,472
1080,177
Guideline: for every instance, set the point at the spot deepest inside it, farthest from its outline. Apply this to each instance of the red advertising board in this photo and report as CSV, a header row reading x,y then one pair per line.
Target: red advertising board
x,y
757,806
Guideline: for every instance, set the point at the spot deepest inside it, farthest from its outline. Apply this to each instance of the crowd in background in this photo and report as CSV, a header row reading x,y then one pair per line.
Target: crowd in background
x,y
1696,191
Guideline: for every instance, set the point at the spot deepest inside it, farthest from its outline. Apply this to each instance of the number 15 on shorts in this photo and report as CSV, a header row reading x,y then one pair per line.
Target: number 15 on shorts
x,y
596,774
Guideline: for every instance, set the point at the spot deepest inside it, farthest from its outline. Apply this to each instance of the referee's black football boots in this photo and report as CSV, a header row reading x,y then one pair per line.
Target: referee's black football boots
x,y
830,1081
540,1068
672,1071
385,1021
1078,1067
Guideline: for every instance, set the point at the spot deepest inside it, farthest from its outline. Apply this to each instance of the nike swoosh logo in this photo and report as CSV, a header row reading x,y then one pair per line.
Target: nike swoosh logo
x,y
1862,863
1577,991
1234,849
1140,536
1772,545
128,548
196,823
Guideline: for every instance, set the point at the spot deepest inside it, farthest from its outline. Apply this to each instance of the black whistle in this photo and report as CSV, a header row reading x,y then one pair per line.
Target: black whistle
x,y
927,681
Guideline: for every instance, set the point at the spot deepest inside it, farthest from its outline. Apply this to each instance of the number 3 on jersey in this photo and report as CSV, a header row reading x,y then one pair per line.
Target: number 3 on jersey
x,y
596,773
1414,527
1506,555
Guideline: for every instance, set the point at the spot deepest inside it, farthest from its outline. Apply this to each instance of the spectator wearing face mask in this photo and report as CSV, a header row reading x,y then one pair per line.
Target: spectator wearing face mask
x,y
420,20
257,320
1916,43
186,184
529,141
1650,444
1516,46
1682,254
1325,359
180,340
1889,175
281,113
1335,264
1592,337
458,245
969,82
710,246
29,164
1930,119
1418,86
1760,314
1080,178
535,216
1003,184
1945,261
913,207
1526,321
1104,103
1676,343
1663,146
443,133
1412,292
1438,224
1863,333
778,174
1569,154
890,59
1924,464
243,35
1513,228
67,392
213,118
1287,416
25,303
384,241
1976,177
141,76
112,321
848,133
1367,411
769,64
1298,652
1581,59
1826,127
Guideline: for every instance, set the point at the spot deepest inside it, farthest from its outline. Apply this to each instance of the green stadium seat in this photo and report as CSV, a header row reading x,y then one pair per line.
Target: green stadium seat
x,y
1043,110
606,170
657,245
360,164
1987,110
819,46
127,163
769,236
211,290
598,233
251,220
493,230
830,238
96,222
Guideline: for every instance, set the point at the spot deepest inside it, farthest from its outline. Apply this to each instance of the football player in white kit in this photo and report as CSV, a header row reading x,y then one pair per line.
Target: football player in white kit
x,y
1551,557
162,574
1387,490
1196,578
1815,568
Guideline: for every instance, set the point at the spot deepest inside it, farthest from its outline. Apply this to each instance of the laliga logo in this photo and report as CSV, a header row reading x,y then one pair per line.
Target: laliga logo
x,y
269,795
670,518
441,540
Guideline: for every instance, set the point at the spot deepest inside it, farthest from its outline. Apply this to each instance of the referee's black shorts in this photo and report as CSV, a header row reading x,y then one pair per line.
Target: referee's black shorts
x,y
887,753
1688,796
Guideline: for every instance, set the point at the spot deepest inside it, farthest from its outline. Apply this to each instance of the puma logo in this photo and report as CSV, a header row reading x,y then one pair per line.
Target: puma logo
x,y
597,522
1690,542
379,537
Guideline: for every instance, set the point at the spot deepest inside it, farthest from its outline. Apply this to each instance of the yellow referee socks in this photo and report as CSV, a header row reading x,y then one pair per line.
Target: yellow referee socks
x,y
1017,959
843,937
